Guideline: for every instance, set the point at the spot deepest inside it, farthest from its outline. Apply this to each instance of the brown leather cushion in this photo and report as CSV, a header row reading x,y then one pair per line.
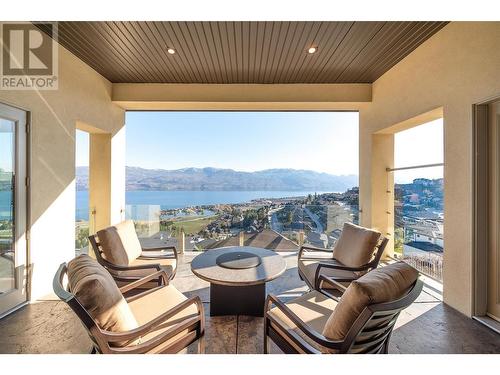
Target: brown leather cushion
x,y
120,243
356,245
156,302
384,284
168,265
98,293
308,268
312,308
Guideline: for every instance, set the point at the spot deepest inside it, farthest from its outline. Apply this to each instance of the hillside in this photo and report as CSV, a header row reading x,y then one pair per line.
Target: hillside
x,y
213,179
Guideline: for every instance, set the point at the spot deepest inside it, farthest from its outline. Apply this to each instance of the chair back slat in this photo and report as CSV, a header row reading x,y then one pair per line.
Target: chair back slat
x,y
377,322
96,246
367,341
371,332
101,259
376,349
379,250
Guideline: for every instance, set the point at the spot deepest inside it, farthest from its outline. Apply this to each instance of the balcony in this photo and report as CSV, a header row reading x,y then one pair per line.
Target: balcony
x,y
48,326
387,72
283,228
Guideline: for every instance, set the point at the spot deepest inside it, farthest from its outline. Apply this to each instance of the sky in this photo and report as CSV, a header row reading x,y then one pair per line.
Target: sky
x,y
243,141
420,145
250,141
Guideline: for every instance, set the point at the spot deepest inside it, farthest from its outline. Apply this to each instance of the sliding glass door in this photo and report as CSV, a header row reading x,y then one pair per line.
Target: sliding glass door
x,y
13,173
493,256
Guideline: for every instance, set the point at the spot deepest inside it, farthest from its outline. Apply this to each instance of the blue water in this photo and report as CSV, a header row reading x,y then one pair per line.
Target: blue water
x,y
5,205
167,199
179,199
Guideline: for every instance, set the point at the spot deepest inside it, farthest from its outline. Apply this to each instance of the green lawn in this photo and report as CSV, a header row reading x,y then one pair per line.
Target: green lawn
x,y
192,226
7,233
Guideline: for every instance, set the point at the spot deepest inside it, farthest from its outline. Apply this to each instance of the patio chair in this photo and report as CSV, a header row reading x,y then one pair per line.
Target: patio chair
x,y
117,248
361,321
357,251
158,320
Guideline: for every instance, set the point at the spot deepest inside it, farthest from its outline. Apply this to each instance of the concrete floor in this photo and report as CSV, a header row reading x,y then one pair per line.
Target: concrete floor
x,y
428,326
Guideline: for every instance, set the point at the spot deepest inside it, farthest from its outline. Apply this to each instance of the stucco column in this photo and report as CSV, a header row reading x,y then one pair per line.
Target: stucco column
x,y
382,188
100,181
107,179
118,154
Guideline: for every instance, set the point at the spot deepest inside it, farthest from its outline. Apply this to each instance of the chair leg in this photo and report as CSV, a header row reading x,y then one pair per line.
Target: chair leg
x,y
266,337
201,345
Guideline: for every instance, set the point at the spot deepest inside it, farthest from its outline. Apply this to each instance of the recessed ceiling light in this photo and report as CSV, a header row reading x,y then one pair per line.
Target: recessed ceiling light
x,y
312,50
171,51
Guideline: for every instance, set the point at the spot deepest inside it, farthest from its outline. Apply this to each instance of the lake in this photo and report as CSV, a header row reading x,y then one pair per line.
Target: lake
x,y
179,199
167,199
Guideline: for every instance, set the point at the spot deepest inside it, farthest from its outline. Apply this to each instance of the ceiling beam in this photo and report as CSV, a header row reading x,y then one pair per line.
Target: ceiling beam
x,y
159,96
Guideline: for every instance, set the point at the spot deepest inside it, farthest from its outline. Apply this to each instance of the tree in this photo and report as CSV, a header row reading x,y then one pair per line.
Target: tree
x,y
81,238
399,240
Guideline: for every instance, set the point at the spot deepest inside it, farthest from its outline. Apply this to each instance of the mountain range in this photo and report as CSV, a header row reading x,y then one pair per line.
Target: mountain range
x,y
215,179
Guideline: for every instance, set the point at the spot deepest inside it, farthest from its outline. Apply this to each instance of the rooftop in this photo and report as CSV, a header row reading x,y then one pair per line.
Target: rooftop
x,y
267,238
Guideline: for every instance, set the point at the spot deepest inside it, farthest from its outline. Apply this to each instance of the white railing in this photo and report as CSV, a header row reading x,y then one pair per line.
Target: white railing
x,y
429,264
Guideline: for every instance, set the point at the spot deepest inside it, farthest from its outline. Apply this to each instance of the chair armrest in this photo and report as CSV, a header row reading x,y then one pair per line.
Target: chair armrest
x,y
156,256
339,267
158,248
136,333
312,249
115,267
305,247
173,248
145,280
305,328
334,283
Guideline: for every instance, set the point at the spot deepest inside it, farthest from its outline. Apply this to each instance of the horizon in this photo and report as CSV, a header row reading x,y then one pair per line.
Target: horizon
x,y
230,169
324,142
212,135
263,170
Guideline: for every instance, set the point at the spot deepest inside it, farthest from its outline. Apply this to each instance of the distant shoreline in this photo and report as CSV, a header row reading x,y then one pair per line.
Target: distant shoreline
x,y
175,199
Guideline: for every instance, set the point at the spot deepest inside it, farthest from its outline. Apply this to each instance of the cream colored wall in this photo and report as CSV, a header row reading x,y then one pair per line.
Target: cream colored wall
x,y
457,67
83,96
157,96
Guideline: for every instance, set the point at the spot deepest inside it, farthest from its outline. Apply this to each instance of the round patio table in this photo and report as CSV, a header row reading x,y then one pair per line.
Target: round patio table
x,y
237,277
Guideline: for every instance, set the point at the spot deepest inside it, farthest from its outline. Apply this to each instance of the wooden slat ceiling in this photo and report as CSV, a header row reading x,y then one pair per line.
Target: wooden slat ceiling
x,y
243,52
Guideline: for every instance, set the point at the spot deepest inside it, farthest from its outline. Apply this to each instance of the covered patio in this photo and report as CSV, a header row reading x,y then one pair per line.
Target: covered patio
x,y
396,75
428,326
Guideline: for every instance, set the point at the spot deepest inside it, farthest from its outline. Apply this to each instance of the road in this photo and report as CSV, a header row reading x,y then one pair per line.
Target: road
x,y
274,222
315,218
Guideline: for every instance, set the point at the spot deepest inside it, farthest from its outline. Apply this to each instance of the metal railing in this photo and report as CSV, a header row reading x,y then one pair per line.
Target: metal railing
x,y
418,216
429,264
313,224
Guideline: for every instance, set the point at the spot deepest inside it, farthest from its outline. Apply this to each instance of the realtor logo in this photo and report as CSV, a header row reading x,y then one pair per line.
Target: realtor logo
x,y
29,56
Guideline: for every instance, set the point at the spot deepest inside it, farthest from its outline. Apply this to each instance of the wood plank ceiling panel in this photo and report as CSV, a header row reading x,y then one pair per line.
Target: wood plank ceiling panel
x,y
243,52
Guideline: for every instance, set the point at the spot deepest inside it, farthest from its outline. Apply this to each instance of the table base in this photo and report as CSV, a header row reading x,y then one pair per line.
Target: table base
x,y
237,300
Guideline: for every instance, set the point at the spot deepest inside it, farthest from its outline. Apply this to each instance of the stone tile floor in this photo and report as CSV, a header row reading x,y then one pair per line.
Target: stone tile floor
x,y
428,326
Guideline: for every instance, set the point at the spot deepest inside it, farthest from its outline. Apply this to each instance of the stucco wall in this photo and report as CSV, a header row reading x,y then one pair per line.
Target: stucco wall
x,y
454,69
83,96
